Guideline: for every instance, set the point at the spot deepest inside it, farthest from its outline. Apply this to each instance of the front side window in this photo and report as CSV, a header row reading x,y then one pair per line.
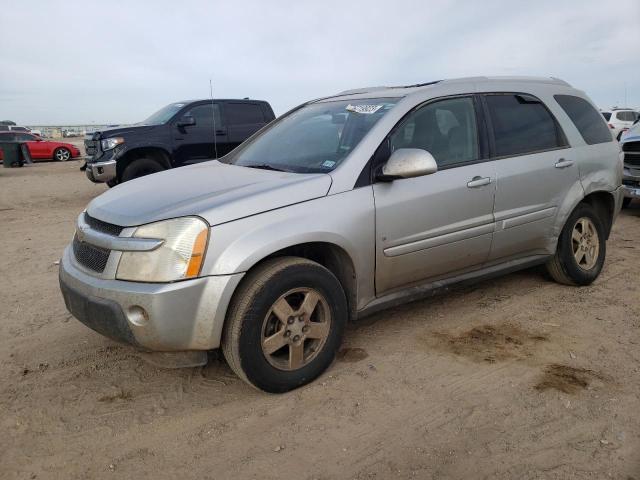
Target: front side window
x,y
585,118
521,125
204,115
445,128
315,138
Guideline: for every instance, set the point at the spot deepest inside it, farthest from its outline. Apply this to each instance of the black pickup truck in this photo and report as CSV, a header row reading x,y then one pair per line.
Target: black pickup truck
x,y
179,134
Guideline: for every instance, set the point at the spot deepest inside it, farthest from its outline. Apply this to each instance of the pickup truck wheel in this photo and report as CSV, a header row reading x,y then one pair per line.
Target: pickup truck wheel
x,y
285,324
61,154
581,249
140,168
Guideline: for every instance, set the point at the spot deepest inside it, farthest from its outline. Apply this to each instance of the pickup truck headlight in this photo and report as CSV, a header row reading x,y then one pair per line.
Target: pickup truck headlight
x,y
109,143
180,256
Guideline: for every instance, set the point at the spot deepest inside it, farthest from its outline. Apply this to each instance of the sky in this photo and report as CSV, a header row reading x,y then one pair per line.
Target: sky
x,y
82,62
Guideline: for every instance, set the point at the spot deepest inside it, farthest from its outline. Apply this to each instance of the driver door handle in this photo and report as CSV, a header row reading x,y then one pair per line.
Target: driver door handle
x,y
478,181
562,163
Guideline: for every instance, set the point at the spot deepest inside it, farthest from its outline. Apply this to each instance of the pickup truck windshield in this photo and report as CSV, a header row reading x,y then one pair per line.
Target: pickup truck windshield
x,y
163,115
315,138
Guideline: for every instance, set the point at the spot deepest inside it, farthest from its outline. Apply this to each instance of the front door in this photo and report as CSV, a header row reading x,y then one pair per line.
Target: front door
x,y
438,224
195,143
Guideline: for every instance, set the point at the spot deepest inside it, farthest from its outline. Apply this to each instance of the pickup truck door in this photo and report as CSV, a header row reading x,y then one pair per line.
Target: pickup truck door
x,y
435,225
195,143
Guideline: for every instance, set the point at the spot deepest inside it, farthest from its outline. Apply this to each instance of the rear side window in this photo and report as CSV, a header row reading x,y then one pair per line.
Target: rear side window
x,y
244,113
606,115
626,116
586,119
522,124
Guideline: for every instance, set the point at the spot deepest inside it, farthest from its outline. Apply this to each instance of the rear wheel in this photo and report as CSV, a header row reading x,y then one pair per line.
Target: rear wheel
x,y
140,168
285,324
61,154
581,248
626,202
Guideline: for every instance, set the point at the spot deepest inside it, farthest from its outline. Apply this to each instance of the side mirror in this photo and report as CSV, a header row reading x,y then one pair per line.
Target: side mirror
x,y
187,121
408,163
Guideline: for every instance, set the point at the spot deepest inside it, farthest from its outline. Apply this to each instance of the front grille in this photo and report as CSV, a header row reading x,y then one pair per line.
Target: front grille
x,y
631,147
632,158
90,256
101,226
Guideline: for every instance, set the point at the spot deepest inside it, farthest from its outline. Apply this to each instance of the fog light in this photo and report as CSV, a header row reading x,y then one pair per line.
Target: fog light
x,y
138,316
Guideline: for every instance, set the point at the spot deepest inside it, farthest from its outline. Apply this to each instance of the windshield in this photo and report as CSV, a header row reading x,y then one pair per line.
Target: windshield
x,y
315,138
163,115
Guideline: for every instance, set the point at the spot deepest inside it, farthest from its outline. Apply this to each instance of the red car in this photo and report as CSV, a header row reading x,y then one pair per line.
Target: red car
x,y
40,148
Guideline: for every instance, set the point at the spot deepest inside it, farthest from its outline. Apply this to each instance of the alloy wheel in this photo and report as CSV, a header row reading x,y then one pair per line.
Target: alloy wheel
x,y
585,243
295,328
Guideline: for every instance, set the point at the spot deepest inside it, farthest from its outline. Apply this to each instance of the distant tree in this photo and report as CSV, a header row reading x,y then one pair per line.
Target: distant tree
x,y
7,122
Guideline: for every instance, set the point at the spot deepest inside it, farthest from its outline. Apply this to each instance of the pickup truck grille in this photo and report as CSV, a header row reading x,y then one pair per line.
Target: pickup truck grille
x,y
90,256
91,147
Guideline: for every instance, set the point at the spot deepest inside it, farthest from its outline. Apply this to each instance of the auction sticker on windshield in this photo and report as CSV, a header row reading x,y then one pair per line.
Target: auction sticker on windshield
x,y
368,109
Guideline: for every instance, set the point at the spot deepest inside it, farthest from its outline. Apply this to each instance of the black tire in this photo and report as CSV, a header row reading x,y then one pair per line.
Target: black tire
x,y
626,201
112,183
248,315
563,266
62,154
140,168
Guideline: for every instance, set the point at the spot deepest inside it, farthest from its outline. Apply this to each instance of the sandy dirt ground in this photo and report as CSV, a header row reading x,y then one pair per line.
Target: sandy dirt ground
x,y
513,378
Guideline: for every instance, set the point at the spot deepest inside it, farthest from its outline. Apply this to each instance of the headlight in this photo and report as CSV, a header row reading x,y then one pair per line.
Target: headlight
x,y
109,143
180,256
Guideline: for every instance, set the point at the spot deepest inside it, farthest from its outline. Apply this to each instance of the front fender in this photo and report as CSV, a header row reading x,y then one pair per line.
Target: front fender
x,y
346,220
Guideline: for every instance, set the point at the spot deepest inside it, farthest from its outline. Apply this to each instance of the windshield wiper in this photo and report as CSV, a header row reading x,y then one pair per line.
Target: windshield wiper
x,y
266,166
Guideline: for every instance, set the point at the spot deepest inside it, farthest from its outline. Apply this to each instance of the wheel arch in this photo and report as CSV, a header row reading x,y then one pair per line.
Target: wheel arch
x,y
158,154
330,255
603,203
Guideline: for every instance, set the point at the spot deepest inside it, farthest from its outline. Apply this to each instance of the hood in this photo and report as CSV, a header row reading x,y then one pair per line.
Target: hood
x,y
117,131
631,135
215,191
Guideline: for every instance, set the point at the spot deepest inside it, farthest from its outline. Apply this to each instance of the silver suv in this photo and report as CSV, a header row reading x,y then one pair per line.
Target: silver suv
x,y
339,208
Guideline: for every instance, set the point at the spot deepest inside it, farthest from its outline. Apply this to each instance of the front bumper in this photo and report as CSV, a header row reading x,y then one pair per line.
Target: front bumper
x,y
100,172
178,316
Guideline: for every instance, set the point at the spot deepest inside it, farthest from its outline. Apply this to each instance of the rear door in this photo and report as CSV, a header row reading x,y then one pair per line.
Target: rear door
x,y
535,170
437,224
243,120
197,143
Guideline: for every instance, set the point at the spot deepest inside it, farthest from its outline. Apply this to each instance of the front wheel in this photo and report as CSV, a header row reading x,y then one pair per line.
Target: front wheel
x,y
581,248
285,324
62,154
140,168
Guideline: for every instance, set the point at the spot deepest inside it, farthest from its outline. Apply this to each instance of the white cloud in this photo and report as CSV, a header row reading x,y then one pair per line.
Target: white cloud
x,y
117,61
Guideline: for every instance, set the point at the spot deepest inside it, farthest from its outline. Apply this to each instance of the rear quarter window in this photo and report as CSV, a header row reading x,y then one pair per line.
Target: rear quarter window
x,y
587,120
606,115
244,113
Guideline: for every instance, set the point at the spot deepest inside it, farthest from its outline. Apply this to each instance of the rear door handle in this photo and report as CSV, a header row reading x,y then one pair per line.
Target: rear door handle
x,y
221,131
562,163
476,182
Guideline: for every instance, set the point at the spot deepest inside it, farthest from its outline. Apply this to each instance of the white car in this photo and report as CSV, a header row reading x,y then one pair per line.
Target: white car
x,y
620,120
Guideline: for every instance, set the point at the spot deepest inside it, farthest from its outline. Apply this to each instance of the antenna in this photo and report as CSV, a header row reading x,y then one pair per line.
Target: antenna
x,y
213,113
